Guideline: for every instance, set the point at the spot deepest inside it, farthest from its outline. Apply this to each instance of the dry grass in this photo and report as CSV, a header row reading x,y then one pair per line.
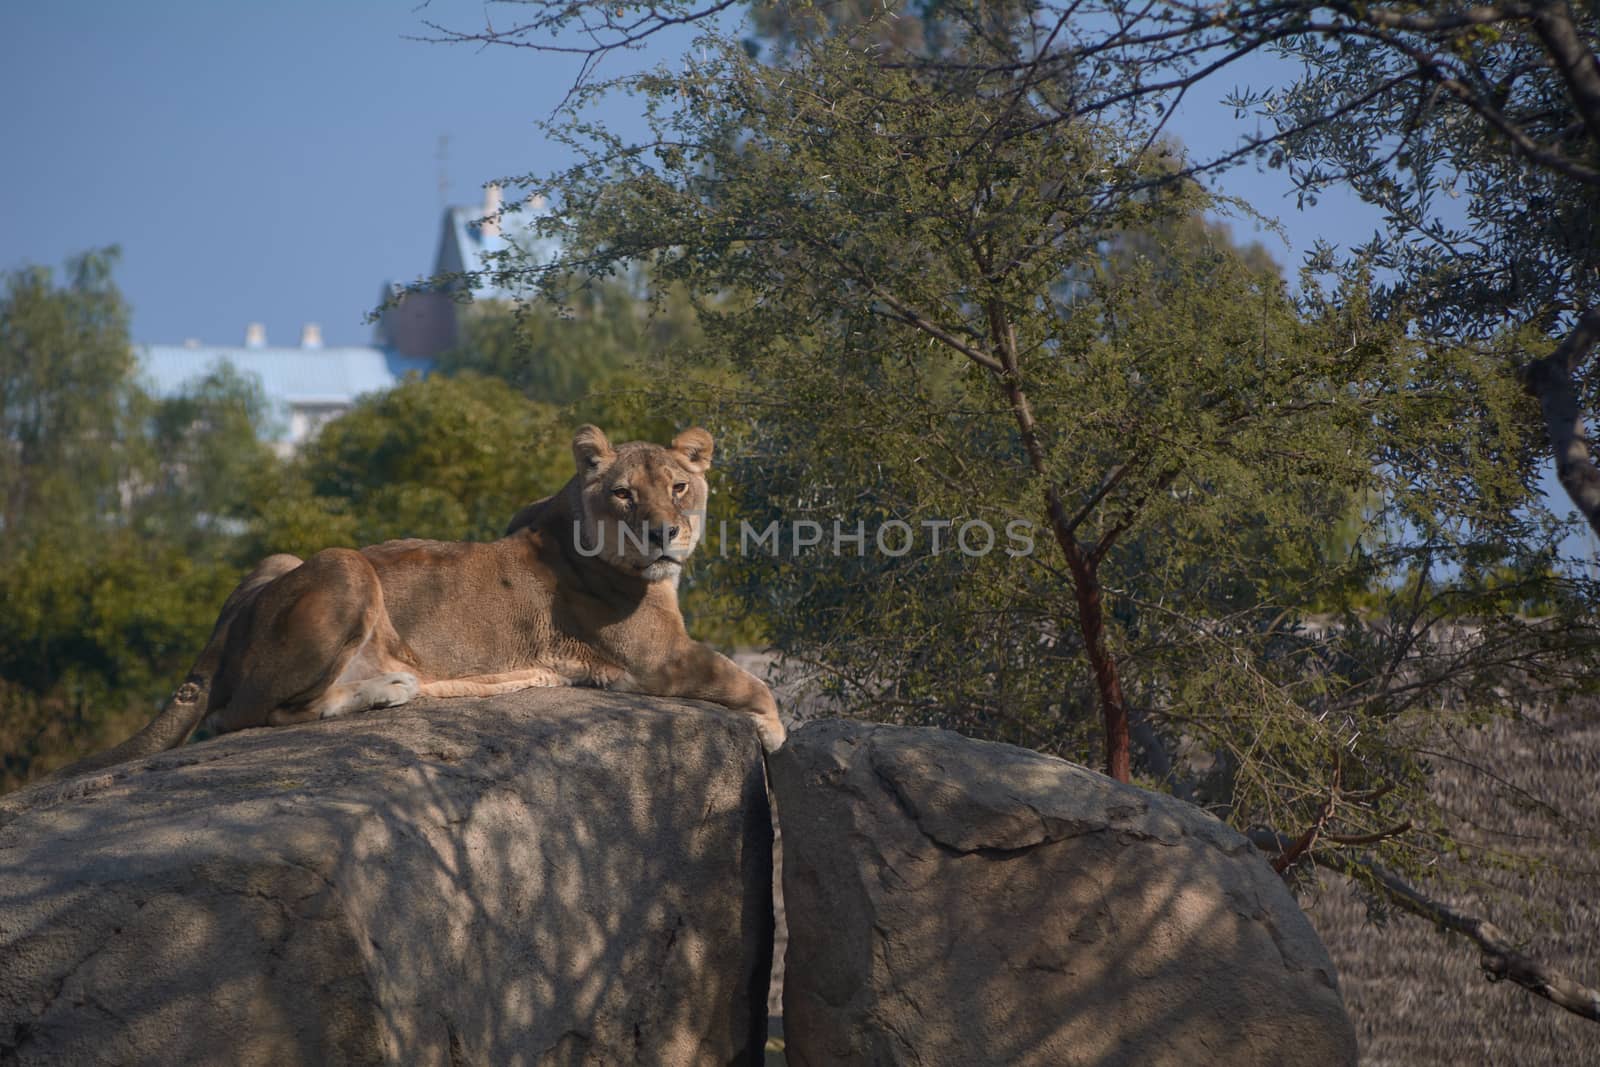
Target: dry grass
x,y
1417,996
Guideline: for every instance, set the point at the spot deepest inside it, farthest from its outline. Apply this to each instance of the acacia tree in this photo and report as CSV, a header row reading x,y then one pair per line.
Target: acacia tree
x,y
871,215
1474,126
799,186
919,253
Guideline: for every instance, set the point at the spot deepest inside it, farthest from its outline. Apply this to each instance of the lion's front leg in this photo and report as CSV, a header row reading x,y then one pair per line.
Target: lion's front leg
x,y
696,672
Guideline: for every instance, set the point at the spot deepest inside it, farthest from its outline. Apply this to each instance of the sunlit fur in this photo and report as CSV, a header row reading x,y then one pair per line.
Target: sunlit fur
x,y
347,630
636,495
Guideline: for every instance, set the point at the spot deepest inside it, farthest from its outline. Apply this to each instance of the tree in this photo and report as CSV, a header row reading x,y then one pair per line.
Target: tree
x,y
70,409
859,223
209,459
555,354
447,457
115,513
1476,130
921,244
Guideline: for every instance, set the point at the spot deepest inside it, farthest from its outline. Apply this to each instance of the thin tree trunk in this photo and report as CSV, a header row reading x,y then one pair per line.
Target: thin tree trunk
x,y
1092,627
1084,567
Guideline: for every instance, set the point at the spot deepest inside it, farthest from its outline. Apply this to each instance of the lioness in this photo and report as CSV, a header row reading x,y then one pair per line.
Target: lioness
x,y
583,590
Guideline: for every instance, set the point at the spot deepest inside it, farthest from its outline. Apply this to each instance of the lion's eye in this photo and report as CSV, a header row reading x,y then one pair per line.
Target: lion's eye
x,y
678,488
622,493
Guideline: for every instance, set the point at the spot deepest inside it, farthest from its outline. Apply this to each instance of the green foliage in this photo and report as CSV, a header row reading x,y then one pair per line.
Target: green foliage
x,y
555,353
116,517
442,457
210,458
70,412
945,299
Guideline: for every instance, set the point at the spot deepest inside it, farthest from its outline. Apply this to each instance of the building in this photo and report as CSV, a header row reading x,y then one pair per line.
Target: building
x,y
307,384
426,323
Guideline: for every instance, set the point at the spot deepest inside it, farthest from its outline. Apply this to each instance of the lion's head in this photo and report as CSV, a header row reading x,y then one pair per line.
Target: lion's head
x,y
643,505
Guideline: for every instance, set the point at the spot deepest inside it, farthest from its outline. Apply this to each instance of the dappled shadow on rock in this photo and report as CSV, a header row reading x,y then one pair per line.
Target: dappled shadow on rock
x,y
551,877
956,902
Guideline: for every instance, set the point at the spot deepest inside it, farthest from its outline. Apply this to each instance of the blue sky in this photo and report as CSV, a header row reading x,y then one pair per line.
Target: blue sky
x,y
279,162
255,162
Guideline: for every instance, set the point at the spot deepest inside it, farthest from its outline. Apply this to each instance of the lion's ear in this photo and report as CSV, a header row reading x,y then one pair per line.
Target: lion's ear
x,y
591,449
695,446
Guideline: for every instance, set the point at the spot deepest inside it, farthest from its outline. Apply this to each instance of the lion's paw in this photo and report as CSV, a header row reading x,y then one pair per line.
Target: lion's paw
x,y
391,690
772,734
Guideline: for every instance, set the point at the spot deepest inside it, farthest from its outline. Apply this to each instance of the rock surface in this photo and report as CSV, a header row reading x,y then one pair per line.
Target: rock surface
x,y
549,877
952,902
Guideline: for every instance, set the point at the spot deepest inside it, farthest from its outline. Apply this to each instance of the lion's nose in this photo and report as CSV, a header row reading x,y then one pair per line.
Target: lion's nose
x,y
664,535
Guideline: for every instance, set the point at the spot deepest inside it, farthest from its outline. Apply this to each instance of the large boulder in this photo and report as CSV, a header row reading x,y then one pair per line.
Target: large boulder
x,y
952,902
549,877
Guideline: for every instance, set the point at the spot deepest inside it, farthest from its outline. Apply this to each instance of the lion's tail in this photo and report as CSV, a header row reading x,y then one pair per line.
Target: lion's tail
x,y
167,730
182,714
187,707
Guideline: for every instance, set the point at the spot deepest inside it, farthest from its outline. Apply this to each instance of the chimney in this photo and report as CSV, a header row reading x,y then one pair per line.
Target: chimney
x,y
311,335
255,335
491,210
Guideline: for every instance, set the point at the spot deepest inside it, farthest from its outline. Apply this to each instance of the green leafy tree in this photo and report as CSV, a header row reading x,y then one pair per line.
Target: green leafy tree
x,y
857,212
441,457
928,257
70,409
211,459
1476,130
115,517
555,354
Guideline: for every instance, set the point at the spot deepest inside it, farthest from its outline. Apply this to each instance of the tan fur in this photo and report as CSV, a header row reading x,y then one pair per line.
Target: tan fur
x,y
347,630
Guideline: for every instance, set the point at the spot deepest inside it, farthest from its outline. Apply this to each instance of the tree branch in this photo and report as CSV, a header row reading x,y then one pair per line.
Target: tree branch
x,y
1113,477
1384,28
551,17
1413,22
1370,839
1297,848
903,312
1550,381
1573,60
1130,514
1501,960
